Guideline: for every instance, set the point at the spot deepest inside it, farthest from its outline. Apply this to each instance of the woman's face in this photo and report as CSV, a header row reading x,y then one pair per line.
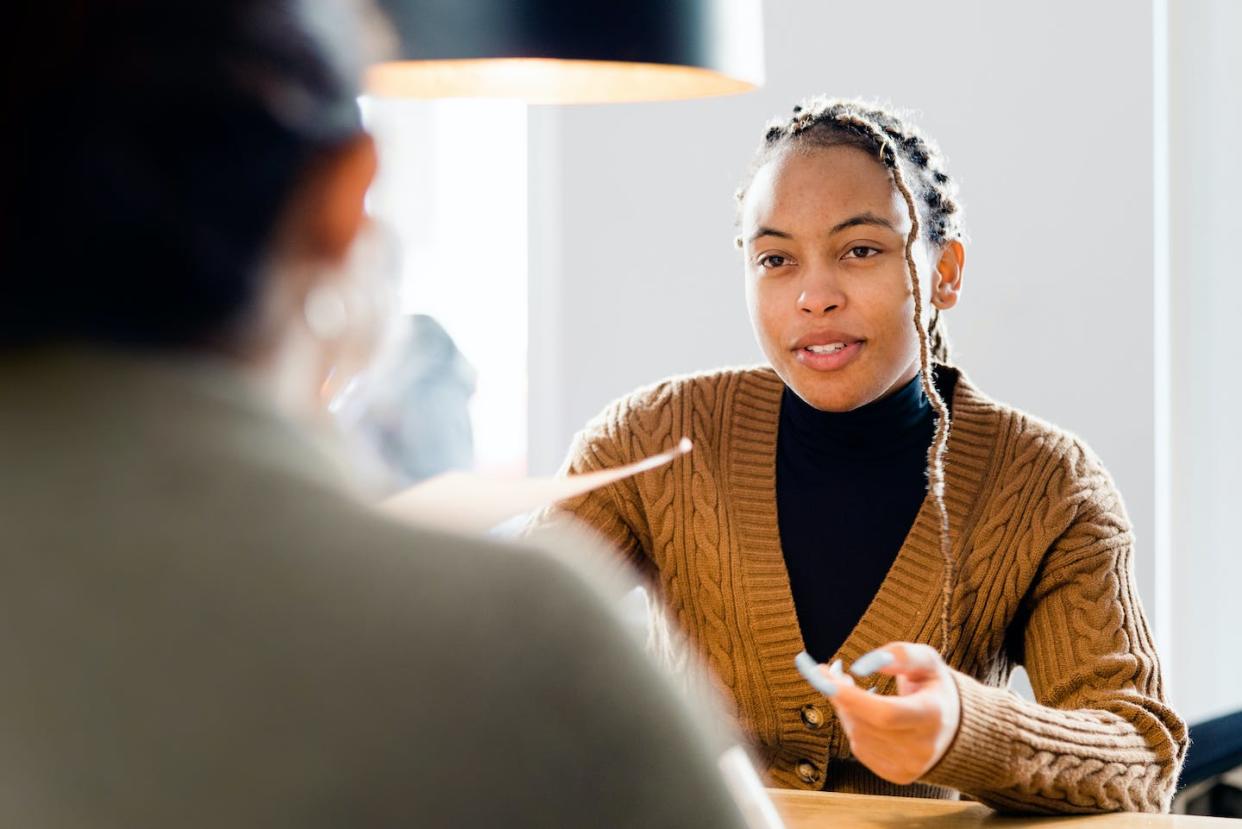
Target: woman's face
x,y
824,233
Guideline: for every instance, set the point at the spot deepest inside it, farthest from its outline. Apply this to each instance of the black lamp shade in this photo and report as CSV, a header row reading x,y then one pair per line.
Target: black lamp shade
x,y
562,51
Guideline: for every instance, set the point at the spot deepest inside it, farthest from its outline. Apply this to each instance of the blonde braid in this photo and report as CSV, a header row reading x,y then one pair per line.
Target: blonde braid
x,y
935,455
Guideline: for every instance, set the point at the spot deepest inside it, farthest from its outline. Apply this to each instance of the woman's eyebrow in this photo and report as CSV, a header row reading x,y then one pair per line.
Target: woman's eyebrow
x,y
770,231
853,221
862,219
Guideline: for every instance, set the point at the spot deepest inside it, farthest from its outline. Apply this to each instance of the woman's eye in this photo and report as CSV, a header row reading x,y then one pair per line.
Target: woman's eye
x,y
772,260
861,252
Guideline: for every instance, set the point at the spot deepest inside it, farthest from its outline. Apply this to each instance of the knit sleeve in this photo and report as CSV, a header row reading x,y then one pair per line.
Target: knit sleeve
x,y
613,512
1101,738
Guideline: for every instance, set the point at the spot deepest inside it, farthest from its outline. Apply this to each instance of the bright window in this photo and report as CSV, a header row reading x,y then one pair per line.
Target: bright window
x,y
453,184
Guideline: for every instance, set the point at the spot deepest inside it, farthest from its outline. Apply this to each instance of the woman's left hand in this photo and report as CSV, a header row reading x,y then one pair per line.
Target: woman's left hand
x,y
901,737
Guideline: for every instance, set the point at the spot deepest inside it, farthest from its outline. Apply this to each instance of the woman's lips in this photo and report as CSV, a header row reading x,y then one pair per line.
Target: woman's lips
x,y
828,356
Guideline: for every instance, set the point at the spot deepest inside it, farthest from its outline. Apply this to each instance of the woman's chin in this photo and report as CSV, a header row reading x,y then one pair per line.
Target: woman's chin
x,y
837,394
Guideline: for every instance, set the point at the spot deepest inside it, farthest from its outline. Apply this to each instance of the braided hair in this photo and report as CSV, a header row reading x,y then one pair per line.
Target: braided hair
x,y
917,168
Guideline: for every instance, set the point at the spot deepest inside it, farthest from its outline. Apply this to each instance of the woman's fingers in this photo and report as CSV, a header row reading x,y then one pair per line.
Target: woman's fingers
x,y
916,662
875,710
815,674
897,737
857,704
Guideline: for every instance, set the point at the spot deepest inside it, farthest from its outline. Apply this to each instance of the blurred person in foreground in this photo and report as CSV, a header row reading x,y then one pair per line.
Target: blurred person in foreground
x,y
201,626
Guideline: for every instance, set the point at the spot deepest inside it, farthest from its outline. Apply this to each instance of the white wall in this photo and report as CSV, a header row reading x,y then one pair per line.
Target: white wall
x,y
1206,303
1045,112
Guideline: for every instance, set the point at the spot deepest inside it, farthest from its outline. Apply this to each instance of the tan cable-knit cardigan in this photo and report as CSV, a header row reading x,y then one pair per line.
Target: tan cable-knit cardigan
x,y
1044,579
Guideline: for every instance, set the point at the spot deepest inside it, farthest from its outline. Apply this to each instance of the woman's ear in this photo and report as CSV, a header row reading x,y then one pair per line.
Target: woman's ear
x,y
329,207
947,278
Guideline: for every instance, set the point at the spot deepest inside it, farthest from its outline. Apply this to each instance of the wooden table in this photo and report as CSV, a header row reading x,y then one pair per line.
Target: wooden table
x,y
827,810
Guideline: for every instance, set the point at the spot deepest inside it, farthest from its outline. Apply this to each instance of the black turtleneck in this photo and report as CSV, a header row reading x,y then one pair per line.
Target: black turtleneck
x,y
848,488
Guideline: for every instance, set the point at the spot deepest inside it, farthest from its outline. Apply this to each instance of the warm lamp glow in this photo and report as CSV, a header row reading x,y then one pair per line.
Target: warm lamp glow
x,y
545,81
571,51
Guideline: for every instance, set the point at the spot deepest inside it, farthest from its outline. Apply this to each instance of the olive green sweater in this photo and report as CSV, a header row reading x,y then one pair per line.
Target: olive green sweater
x,y
1043,579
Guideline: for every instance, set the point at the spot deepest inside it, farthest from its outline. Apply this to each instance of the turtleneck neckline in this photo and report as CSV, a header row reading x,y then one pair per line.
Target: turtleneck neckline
x,y
880,428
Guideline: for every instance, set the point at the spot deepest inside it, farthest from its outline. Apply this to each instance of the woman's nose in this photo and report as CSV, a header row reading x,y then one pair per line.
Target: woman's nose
x,y
820,294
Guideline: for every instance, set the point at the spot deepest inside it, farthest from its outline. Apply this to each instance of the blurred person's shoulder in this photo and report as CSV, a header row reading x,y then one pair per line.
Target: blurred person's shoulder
x,y
524,675
456,571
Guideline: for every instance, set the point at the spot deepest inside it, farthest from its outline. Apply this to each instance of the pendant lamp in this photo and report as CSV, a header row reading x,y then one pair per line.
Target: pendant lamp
x,y
571,51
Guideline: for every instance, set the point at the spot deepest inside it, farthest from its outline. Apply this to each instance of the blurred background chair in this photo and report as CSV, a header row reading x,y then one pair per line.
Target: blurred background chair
x,y
1211,781
416,420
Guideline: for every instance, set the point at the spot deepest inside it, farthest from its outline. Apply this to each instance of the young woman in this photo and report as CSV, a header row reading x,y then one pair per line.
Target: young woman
x,y
859,498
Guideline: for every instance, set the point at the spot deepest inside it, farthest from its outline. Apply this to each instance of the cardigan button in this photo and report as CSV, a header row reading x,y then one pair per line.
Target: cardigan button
x,y
812,717
807,772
